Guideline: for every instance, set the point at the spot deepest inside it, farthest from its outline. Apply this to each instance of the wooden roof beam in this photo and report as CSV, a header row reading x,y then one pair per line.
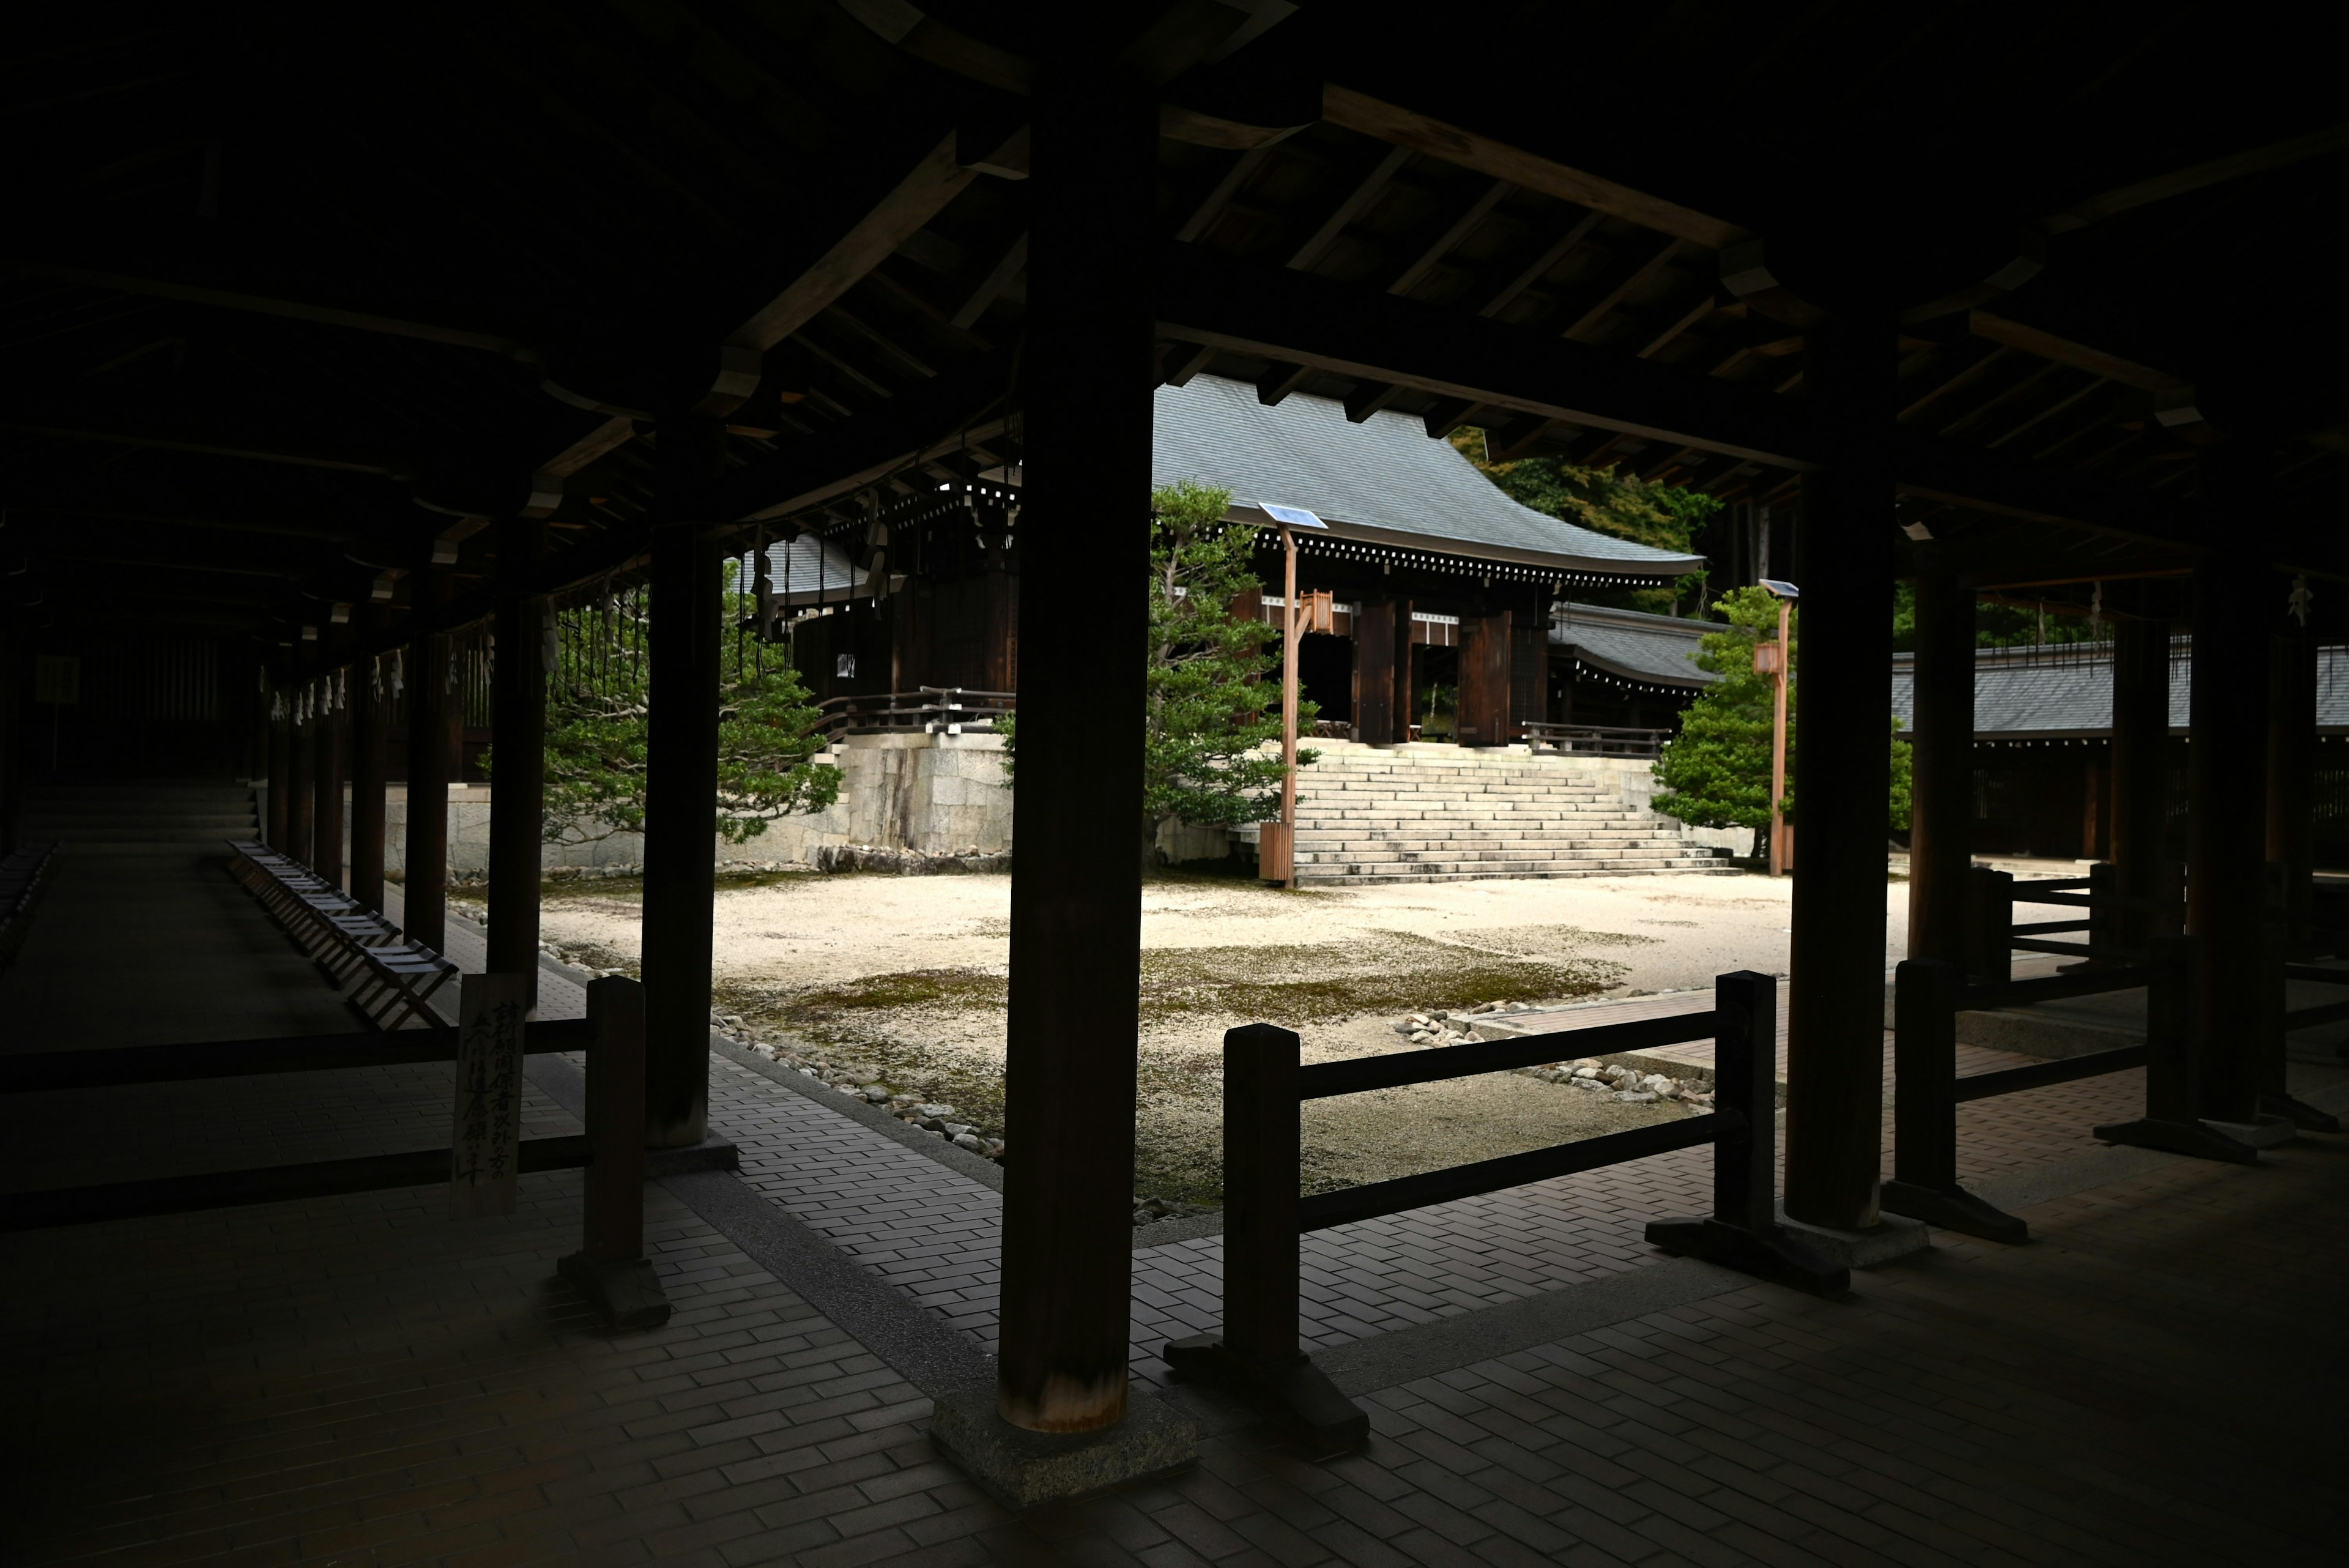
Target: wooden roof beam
x,y
1357,202
1368,116
1624,290
389,470
2029,339
2196,177
1556,251
286,310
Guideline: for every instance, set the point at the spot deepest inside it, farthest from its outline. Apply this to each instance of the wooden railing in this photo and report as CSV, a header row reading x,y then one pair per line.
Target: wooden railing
x,y
930,710
1595,740
1257,1354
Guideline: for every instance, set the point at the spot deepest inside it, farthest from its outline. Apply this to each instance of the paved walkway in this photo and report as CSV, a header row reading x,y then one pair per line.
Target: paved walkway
x,y
360,1380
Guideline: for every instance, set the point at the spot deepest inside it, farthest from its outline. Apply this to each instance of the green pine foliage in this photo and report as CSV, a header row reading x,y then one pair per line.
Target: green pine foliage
x,y
596,722
1716,771
1211,726
1998,625
1664,516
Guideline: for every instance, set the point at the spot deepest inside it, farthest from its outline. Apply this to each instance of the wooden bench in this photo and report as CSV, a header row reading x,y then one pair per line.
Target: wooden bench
x,y
390,980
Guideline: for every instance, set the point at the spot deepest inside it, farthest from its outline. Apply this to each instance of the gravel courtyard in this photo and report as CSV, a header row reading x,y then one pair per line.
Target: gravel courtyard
x,y
902,981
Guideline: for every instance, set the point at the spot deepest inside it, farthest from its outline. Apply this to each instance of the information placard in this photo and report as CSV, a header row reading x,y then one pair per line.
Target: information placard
x,y
485,1149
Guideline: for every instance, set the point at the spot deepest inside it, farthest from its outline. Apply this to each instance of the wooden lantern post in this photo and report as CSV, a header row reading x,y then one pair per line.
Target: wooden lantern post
x,y
1288,641
1773,661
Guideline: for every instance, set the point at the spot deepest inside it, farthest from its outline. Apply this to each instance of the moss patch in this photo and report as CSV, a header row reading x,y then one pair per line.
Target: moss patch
x,y
1386,971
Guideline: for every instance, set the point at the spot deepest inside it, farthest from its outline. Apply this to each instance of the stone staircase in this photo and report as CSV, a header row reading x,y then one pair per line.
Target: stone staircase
x,y
1441,814
141,818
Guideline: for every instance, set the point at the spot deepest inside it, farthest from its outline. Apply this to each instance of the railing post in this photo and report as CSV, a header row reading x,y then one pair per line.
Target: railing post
x,y
2272,1085
2107,927
1926,995
610,1266
1257,1354
1743,1231
2172,1119
1990,926
1745,1081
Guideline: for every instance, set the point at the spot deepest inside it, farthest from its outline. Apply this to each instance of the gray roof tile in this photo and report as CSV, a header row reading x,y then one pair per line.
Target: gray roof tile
x,y
1384,475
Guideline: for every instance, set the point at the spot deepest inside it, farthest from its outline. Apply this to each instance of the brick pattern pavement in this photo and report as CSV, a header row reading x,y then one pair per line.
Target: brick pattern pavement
x,y
360,1381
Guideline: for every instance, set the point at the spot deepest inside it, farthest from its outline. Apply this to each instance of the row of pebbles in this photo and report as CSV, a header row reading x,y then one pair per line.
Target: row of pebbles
x,y
862,1083
1629,1084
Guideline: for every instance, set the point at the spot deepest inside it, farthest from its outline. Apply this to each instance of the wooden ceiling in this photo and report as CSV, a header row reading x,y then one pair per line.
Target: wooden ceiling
x,y
288,306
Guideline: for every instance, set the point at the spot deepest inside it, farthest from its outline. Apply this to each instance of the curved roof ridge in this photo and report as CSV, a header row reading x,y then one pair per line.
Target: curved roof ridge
x,y
1378,479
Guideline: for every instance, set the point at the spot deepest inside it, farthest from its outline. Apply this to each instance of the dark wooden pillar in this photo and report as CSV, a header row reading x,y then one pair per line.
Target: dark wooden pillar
x,y
1835,1050
301,796
327,777
2140,770
280,745
1941,807
1483,717
1374,673
681,784
367,713
1076,888
517,759
1406,687
433,715
2291,781
2226,877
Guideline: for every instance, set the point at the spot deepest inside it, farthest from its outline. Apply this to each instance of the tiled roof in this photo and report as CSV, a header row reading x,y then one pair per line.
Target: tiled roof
x,y
1382,479
2068,689
1634,644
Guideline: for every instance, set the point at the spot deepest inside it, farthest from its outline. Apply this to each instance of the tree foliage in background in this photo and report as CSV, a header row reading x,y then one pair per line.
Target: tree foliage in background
x,y
1662,516
1211,701
1716,771
1998,625
596,732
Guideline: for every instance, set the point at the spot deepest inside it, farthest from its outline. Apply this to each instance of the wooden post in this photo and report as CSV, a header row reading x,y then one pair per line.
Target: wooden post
x,y
280,757
1780,673
1843,777
2140,770
1257,1354
610,1267
1743,1231
682,782
1924,1185
1262,1181
2174,1093
432,716
518,760
301,795
1374,673
2291,783
1289,638
1988,952
2228,761
1941,832
368,712
327,777
1745,1081
1076,883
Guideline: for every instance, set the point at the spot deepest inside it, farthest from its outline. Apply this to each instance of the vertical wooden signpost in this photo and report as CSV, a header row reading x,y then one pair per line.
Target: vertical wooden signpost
x,y
1277,842
485,1148
1770,659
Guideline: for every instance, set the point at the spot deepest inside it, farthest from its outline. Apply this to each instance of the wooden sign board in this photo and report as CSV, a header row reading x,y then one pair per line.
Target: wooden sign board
x,y
485,1148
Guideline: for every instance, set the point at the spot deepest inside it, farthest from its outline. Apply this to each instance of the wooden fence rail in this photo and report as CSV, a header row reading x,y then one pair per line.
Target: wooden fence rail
x,y
1257,1354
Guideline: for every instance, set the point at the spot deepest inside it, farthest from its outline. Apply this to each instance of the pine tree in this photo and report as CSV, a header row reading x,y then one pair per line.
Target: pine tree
x,y
1716,771
1211,701
597,707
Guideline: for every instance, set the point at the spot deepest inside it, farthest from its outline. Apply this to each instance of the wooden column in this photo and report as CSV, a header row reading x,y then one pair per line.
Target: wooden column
x,y
1940,830
301,796
517,760
433,715
2140,767
326,778
279,746
368,715
2226,877
2292,781
681,784
1835,1050
1374,673
1483,715
1076,886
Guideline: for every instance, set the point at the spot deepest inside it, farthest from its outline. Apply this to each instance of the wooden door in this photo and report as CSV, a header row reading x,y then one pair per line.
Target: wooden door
x,y
1485,680
1374,673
